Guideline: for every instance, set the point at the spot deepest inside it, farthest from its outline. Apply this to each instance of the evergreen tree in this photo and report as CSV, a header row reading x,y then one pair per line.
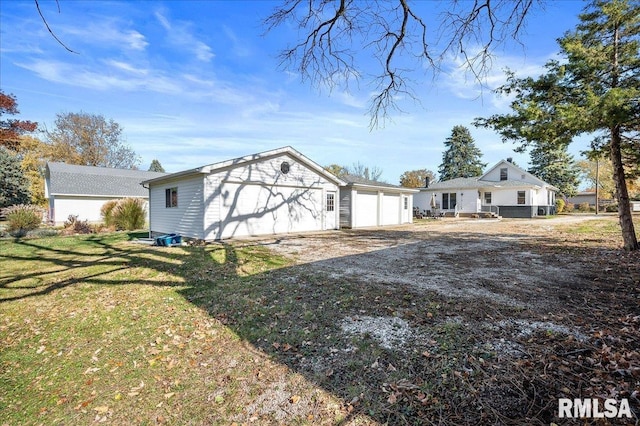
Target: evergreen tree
x,y
156,167
557,167
595,92
14,186
462,157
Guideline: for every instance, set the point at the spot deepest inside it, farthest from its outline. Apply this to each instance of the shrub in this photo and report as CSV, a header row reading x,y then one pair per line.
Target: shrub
x,y
569,207
129,214
23,218
74,226
106,211
584,207
611,208
560,205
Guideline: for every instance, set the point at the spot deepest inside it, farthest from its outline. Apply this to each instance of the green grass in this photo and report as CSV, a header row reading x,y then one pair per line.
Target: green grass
x,y
98,328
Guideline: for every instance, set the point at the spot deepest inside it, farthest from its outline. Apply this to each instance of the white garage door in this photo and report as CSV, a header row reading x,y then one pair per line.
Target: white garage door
x,y
390,209
366,208
248,209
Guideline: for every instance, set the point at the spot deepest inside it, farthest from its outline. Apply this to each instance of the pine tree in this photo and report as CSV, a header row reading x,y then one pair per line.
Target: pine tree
x,y
462,157
557,167
156,167
595,92
14,186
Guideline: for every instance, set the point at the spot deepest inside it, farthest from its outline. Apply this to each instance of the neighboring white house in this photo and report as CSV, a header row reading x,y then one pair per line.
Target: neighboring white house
x,y
505,190
369,203
82,190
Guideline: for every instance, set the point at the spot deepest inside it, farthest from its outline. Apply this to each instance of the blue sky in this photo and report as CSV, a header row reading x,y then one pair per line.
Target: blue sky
x,y
193,83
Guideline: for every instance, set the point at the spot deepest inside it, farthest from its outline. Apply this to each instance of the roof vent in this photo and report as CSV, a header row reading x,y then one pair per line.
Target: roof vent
x,y
510,159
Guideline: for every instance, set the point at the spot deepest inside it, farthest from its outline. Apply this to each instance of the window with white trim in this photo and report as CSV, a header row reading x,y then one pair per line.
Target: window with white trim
x,y
171,197
487,198
504,174
331,202
522,197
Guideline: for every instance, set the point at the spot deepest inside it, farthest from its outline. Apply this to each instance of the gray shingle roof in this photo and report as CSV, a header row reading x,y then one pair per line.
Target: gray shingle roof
x,y
70,179
357,180
476,182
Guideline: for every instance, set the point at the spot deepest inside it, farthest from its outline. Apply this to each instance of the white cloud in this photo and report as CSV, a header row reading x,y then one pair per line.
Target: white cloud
x,y
179,34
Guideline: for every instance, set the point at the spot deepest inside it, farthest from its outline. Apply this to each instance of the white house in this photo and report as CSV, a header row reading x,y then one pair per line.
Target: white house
x,y
274,192
504,190
82,190
368,203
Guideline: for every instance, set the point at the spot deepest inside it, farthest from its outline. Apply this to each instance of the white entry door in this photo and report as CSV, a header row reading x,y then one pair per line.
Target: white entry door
x,y
330,210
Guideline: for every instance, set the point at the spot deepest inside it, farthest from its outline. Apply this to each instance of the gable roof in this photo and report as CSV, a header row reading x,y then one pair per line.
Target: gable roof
x,y
235,162
482,181
71,179
513,166
352,180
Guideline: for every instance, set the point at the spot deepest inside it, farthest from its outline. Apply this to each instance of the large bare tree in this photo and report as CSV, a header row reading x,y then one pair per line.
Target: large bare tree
x,y
336,35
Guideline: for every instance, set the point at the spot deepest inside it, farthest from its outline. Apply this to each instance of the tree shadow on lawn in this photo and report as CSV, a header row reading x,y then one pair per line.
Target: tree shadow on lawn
x,y
392,346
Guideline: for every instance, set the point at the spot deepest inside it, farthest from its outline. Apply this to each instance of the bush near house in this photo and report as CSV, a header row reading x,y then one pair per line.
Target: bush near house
x,y
74,226
584,207
569,207
22,218
560,203
127,214
106,211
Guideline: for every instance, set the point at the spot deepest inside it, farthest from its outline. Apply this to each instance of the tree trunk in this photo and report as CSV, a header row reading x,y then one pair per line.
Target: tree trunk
x,y
624,206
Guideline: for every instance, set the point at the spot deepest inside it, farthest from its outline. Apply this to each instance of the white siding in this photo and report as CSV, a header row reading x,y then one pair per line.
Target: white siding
x,y
253,209
257,198
422,200
187,219
267,171
86,208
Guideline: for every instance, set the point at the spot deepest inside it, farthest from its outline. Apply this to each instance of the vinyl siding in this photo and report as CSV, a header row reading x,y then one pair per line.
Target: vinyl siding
x,y
86,208
257,198
187,218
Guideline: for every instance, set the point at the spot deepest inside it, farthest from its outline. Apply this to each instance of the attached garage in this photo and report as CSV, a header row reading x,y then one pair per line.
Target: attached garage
x,y
274,192
367,203
270,209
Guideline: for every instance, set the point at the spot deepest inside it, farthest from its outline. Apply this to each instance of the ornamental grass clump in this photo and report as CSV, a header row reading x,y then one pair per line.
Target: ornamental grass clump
x,y
22,218
129,214
106,211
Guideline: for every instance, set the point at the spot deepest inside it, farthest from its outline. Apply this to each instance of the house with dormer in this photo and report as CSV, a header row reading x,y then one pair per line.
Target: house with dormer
x,y
504,190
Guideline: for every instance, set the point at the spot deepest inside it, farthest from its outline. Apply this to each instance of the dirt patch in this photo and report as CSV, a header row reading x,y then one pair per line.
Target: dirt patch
x,y
518,313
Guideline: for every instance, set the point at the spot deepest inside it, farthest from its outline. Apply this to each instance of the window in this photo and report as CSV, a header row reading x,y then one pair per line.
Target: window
x,y
331,202
171,197
285,167
449,201
487,198
521,197
406,203
503,174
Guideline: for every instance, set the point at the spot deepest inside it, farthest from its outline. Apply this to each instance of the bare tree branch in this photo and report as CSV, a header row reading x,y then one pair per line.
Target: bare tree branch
x,y
49,28
336,33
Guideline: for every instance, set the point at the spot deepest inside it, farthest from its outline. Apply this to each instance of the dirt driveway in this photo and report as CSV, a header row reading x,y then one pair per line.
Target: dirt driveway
x,y
553,304
503,261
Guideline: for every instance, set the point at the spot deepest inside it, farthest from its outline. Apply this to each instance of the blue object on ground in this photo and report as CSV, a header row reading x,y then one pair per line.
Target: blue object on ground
x,y
168,240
